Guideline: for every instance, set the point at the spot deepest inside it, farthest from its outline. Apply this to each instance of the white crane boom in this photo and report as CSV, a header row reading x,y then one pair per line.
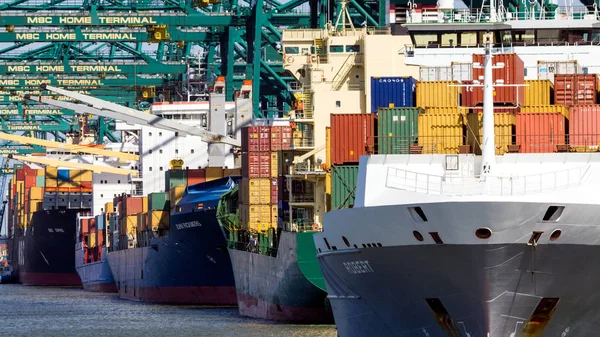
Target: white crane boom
x,y
149,119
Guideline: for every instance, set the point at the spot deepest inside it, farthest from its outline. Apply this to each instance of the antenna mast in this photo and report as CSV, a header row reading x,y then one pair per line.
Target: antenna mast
x,y
488,152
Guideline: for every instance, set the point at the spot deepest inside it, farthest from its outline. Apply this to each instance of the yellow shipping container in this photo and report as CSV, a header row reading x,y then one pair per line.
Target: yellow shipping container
x,y
232,172
259,191
36,193
92,240
109,208
539,92
130,224
255,218
145,204
52,172
446,110
175,195
40,172
504,127
213,173
274,215
35,205
440,133
158,220
546,108
51,182
437,93
274,165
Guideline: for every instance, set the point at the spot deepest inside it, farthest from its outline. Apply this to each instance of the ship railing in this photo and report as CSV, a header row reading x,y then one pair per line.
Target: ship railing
x,y
302,197
469,16
458,144
489,185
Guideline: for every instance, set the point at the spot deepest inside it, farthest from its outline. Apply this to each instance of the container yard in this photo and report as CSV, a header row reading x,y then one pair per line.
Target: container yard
x,y
276,173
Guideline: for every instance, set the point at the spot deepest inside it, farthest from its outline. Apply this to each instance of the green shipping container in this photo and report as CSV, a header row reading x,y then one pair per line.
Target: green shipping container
x,y
343,186
158,201
175,178
40,181
397,130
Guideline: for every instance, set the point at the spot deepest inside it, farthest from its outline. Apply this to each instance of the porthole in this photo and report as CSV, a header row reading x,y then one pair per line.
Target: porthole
x,y
555,235
364,246
369,245
483,233
418,236
346,241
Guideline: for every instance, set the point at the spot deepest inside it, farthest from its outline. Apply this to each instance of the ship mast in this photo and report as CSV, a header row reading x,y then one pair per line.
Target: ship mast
x,y
488,152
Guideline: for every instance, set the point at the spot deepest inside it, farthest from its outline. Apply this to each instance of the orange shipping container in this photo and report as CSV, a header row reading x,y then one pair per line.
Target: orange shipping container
x,y
541,132
575,89
196,176
584,125
131,205
513,72
350,136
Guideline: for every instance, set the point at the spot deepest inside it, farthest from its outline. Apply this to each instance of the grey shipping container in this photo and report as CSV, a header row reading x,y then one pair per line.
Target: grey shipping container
x,y
397,130
547,69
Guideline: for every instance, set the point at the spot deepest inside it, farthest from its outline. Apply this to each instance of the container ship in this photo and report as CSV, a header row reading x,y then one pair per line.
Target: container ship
x,y
173,250
471,210
91,248
274,263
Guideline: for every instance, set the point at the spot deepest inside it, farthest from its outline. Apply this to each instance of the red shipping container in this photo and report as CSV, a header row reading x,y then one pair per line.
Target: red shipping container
x,y
513,72
540,132
265,165
276,138
131,206
274,190
29,181
100,240
575,89
21,174
264,139
286,138
349,135
584,125
250,139
196,176
251,164
85,225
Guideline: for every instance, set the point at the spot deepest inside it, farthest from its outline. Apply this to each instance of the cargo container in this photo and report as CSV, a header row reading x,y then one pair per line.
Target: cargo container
x,y
257,218
36,193
438,93
256,139
546,70
439,133
175,195
397,130
504,131
343,186
350,134
281,138
575,89
196,176
232,172
462,71
584,126
131,206
435,74
540,132
256,165
255,191
214,173
158,220
563,110
274,190
539,92
392,92
175,178
513,72
109,207
142,221
274,165
158,201
40,181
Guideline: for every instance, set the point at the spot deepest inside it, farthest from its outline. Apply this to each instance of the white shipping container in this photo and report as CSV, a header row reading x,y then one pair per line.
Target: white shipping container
x,y
435,74
547,69
462,71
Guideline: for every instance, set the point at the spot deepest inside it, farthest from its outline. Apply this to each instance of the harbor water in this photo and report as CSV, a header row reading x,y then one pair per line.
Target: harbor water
x,y
45,311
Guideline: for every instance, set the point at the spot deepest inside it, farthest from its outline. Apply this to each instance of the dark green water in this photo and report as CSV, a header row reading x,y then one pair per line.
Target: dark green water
x,y
40,311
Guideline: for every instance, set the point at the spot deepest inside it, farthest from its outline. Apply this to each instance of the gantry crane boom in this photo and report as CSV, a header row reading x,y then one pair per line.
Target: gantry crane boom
x,y
81,166
125,114
70,147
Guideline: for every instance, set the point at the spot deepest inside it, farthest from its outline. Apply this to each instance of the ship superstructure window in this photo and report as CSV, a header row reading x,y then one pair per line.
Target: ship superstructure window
x,y
335,48
292,50
468,39
548,35
449,39
417,214
553,213
425,39
353,49
524,36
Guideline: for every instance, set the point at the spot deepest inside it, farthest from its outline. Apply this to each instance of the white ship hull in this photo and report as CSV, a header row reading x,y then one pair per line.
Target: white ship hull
x,y
382,280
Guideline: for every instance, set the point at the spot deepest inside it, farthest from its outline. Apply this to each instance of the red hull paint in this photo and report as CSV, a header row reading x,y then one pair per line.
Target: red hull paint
x,y
101,288
253,307
181,295
48,279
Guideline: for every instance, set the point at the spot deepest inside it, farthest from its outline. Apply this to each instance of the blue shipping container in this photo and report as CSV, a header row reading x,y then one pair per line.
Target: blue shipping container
x,y
63,175
398,92
100,222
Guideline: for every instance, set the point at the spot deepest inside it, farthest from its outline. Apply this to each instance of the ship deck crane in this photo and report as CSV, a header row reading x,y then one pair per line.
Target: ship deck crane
x,y
119,112
70,147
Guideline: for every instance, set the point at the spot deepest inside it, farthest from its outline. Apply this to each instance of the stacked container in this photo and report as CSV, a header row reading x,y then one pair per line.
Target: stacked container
x,y
504,130
440,132
575,89
352,136
397,130
540,132
392,92
513,72
158,212
343,186
584,126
